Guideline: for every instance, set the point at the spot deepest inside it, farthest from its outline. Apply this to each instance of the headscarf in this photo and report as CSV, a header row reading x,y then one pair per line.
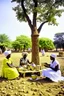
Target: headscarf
x,y
6,53
24,53
53,55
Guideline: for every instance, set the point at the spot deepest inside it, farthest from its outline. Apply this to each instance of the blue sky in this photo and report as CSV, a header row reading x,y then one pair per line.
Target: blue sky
x,y
12,27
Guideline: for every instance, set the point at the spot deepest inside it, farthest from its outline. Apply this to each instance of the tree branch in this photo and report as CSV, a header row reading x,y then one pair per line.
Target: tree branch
x,y
27,17
40,27
34,13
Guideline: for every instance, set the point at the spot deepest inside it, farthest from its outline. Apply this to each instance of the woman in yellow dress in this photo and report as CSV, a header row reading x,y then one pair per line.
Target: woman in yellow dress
x,y
8,70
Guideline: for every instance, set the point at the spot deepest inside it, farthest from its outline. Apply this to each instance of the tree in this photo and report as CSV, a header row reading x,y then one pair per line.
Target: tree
x,y
4,39
42,11
59,40
2,47
22,42
46,43
16,45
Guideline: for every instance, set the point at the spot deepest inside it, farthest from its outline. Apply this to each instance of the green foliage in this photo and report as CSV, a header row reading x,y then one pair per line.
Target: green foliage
x,y
4,40
21,42
16,45
46,10
24,40
46,43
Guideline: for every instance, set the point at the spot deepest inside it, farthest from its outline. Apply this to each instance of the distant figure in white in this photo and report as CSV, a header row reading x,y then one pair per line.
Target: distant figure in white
x,y
53,72
29,50
43,52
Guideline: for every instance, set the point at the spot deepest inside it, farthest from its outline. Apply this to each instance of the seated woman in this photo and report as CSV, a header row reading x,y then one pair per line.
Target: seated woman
x,y
24,61
8,70
53,72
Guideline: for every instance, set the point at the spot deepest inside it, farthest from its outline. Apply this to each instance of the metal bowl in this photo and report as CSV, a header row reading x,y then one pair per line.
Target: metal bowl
x,y
34,77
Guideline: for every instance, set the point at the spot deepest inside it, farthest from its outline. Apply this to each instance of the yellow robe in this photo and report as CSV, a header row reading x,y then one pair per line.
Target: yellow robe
x,y
8,72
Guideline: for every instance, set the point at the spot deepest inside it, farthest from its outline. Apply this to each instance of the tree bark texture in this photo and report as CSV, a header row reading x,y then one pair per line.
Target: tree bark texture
x,y
35,47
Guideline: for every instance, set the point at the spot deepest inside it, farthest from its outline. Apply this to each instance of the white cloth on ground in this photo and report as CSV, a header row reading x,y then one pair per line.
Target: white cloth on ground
x,y
53,75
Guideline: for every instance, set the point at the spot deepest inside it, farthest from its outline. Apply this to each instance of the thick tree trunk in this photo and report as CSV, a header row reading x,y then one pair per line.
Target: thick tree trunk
x,y
35,46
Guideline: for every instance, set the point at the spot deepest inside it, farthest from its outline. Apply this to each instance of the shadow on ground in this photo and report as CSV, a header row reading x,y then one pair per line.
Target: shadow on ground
x,y
2,79
43,80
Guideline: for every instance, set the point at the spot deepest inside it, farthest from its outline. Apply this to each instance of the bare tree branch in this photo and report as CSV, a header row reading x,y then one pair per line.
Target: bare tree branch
x,y
40,27
34,13
27,17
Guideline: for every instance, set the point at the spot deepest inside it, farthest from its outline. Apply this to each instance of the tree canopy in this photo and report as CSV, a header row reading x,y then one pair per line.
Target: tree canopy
x,y
42,10
21,42
16,45
4,40
46,43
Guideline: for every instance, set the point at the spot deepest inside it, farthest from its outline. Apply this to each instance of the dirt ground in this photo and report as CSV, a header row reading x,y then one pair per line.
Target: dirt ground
x,y
26,87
